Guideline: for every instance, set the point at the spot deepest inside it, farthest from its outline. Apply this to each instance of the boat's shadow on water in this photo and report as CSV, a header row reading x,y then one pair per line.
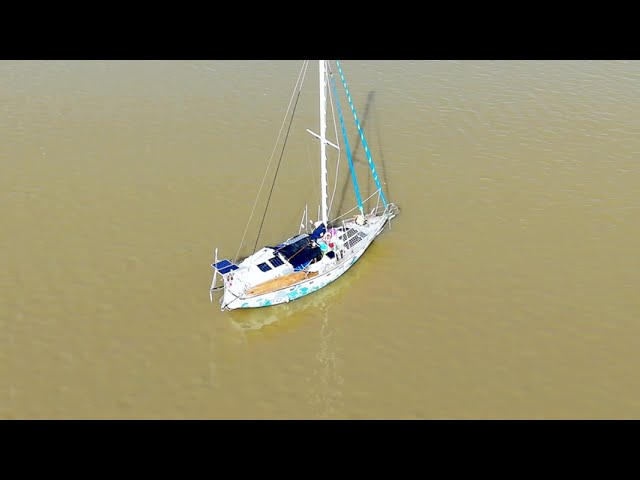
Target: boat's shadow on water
x,y
360,158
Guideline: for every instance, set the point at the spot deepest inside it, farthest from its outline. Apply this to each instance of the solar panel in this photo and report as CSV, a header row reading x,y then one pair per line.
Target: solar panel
x,y
224,266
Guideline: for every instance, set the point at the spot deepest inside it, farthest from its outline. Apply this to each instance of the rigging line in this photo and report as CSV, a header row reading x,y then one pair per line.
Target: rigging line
x,y
227,304
364,141
275,176
297,86
336,136
346,144
356,207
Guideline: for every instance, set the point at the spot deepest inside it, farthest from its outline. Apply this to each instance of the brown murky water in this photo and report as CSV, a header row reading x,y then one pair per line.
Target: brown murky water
x,y
506,288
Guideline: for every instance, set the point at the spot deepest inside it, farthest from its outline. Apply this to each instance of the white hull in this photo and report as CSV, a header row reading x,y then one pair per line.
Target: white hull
x,y
238,299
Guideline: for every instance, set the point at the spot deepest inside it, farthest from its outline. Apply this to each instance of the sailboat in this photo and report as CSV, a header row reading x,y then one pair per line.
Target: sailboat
x,y
316,257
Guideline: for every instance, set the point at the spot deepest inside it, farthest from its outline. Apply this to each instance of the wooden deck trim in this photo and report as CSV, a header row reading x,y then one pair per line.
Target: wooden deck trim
x,y
280,282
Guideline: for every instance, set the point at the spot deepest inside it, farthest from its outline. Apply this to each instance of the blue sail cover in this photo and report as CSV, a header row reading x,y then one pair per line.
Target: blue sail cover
x,y
301,253
308,254
318,232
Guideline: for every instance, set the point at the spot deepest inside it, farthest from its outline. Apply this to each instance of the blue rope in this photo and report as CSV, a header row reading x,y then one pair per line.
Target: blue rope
x,y
346,141
364,142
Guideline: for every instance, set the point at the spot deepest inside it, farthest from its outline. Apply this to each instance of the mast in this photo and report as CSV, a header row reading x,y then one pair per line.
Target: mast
x,y
323,141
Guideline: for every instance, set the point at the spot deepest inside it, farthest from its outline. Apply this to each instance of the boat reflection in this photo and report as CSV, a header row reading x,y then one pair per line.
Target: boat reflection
x,y
322,312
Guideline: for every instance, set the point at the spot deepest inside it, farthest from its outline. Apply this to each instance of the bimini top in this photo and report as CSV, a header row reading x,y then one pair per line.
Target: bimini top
x,y
300,251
